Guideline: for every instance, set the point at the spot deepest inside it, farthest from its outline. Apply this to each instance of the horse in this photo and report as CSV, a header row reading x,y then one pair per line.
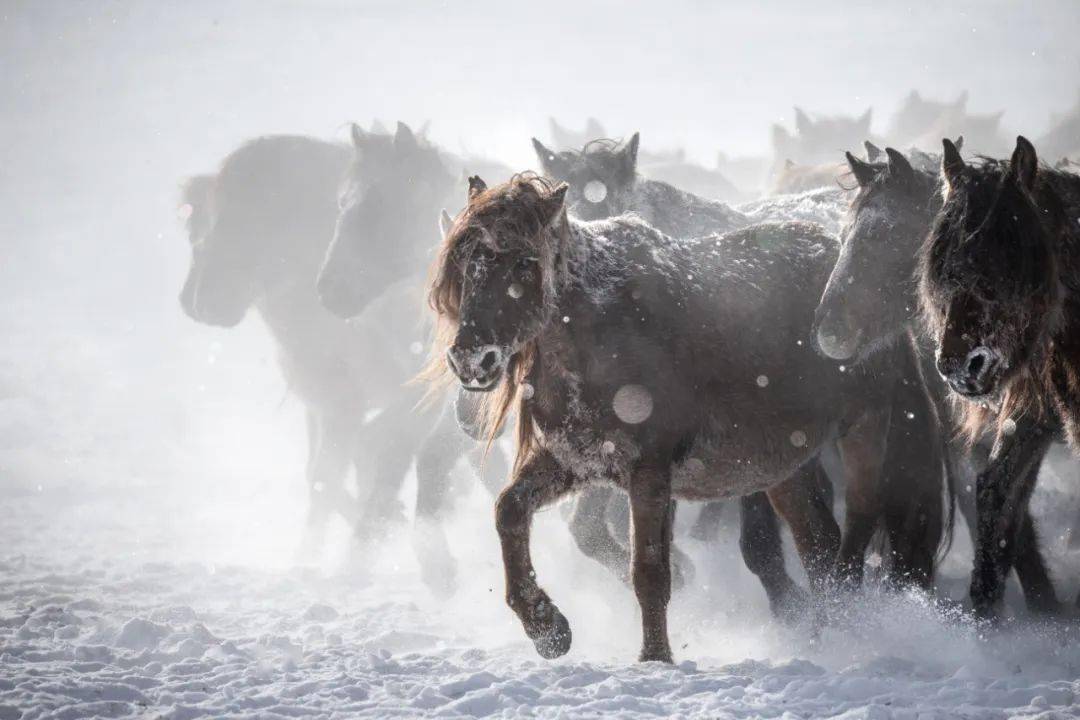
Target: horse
x,y
390,194
814,141
796,178
610,165
920,123
871,304
259,231
998,276
636,359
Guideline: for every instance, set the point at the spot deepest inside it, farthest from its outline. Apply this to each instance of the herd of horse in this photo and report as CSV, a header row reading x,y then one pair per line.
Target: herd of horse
x,y
901,337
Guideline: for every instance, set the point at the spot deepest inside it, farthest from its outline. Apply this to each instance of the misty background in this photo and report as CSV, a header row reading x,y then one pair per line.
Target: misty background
x,y
107,391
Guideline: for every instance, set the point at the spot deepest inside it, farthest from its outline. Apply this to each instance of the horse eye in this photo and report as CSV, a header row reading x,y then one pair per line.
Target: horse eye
x,y
525,263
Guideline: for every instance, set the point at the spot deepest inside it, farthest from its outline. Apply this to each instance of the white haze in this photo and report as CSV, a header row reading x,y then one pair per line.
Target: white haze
x,y
149,463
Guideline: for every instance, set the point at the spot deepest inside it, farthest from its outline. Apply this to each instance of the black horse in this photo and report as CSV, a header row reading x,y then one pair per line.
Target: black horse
x,y
998,284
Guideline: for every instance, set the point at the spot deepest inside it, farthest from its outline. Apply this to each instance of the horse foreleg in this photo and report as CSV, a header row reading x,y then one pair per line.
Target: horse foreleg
x,y
435,460
541,481
330,440
763,552
391,441
1003,490
652,516
801,503
862,452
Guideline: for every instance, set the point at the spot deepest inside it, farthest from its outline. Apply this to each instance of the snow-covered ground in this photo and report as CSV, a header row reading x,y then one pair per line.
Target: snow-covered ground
x,y
146,557
151,470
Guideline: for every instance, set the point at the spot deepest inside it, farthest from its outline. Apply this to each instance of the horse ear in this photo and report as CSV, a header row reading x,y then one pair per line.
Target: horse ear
x,y
424,129
404,139
803,123
863,172
628,154
476,186
952,165
959,142
445,223
359,137
1024,164
593,129
549,161
899,167
555,202
873,152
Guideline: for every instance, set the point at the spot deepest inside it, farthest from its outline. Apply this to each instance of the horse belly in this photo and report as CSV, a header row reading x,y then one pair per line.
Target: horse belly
x,y
743,462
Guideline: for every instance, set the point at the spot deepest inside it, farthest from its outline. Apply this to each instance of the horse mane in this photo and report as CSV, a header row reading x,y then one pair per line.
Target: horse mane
x,y
514,211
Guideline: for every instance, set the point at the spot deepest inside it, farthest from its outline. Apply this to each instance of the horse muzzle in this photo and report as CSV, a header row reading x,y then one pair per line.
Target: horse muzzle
x,y
974,375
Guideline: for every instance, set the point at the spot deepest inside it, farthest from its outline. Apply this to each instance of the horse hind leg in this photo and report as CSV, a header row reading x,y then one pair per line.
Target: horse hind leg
x,y
589,528
763,552
1031,569
862,453
802,504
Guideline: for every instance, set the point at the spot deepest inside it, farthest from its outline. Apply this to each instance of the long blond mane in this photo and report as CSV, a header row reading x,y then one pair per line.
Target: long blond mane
x,y
517,212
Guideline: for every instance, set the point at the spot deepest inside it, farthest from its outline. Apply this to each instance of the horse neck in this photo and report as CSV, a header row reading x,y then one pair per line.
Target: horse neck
x,y
679,213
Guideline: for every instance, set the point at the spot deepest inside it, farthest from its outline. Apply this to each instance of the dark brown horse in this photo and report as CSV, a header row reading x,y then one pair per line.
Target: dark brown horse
x,y
870,305
998,280
670,368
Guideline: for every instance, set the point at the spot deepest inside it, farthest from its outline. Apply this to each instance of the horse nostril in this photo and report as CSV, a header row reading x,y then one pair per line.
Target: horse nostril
x,y
975,365
488,361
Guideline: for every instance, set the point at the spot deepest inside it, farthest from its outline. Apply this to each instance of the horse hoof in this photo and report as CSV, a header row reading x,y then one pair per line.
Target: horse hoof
x,y
553,640
791,606
661,654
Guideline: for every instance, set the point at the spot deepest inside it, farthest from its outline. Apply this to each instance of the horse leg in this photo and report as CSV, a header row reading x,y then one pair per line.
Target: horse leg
x,y
435,460
391,442
652,516
1029,564
618,521
331,436
862,452
817,536
707,525
589,528
914,474
1031,568
763,552
1003,490
541,481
